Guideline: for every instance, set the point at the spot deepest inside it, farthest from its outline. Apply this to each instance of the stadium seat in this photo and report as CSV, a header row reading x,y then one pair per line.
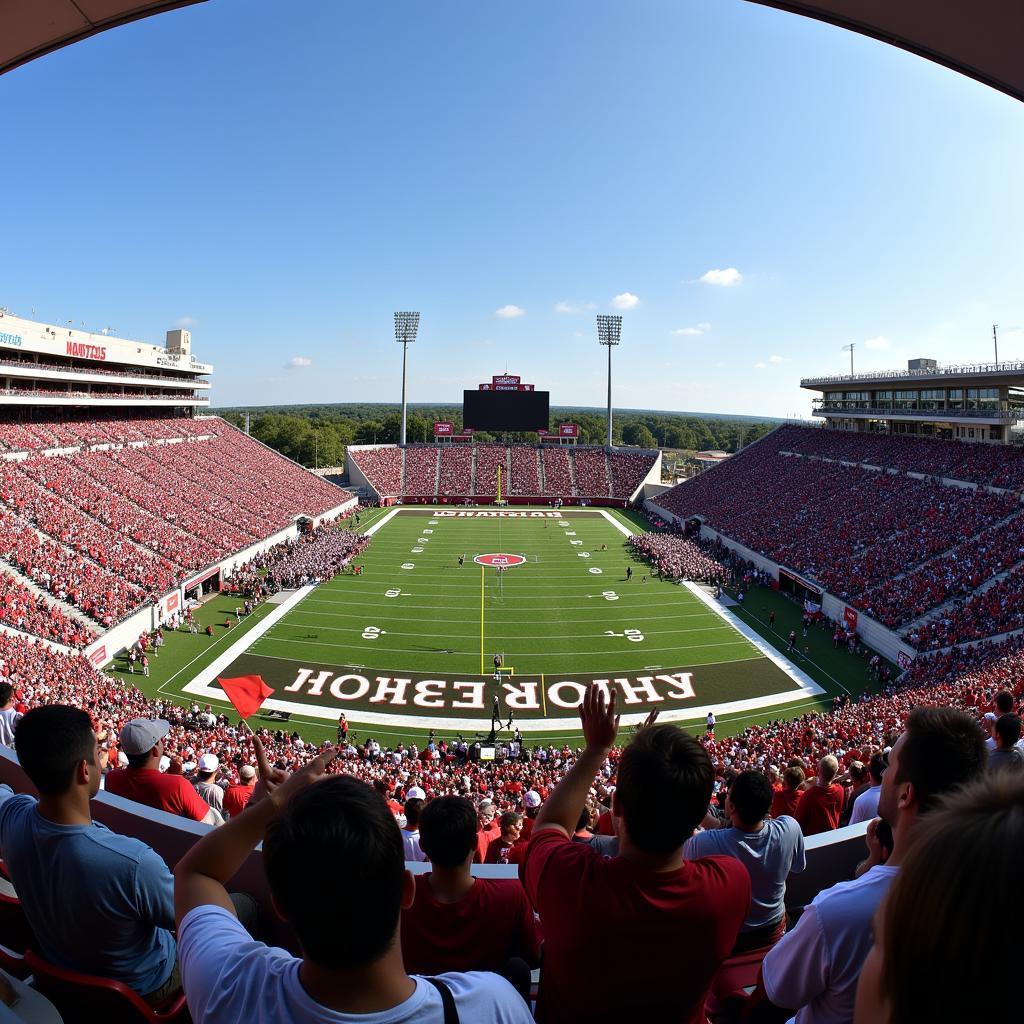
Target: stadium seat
x,y
737,977
86,999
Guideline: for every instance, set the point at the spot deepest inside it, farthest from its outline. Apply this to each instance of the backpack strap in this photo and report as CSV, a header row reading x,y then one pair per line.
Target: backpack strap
x,y
451,1013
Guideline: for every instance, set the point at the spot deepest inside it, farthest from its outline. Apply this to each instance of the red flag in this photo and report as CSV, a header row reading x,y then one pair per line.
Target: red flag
x,y
247,693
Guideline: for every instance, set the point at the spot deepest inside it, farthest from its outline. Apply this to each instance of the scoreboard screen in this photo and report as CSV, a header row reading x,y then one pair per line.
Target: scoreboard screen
x,y
496,411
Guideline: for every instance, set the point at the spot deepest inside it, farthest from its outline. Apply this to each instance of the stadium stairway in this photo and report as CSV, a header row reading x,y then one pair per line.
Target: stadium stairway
x,y
472,471
437,474
608,474
540,473
403,478
572,474
69,610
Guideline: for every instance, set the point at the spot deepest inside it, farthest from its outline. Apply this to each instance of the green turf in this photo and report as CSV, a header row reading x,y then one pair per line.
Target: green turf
x,y
510,616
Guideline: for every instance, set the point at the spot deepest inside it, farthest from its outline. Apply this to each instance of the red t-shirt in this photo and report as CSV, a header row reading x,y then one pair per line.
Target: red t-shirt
x,y
501,852
604,824
483,840
671,931
236,798
173,793
491,923
820,809
786,801
528,824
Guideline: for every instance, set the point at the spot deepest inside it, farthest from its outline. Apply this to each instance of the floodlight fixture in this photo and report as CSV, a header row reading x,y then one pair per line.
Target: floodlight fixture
x,y
406,326
609,332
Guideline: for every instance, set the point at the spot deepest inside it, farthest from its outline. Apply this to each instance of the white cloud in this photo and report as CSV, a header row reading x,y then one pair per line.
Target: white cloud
x,y
298,363
723,278
776,360
186,321
577,334
880,342
691,332
627,300
760,366
510,312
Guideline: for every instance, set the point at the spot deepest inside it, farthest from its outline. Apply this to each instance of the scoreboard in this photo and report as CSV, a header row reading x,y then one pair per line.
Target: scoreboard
x,y
506,403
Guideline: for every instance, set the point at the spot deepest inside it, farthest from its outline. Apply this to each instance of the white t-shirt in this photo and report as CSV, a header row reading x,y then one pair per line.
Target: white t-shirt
x,y
865,807
815,967
8,720
411,844
229,977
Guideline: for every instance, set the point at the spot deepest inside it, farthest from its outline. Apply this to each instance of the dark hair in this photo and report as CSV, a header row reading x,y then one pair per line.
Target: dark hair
x,y
1008,729
413,808
1004,701
448,830
963,852
51,741
336,868
942,750
793,777
6,692
879,764
663,767
510,818
138,760
751,796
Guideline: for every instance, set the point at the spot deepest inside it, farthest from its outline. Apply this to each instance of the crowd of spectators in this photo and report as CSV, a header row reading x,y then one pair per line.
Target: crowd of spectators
x,y
489,457
591,473
467,470
679,558
525,476
316,558
455,477
420,471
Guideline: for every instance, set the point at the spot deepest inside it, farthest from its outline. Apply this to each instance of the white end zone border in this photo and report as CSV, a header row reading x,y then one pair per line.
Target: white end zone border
x,y
202,684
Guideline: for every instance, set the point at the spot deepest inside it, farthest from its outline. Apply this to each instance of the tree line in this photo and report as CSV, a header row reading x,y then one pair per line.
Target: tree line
x,y
318,435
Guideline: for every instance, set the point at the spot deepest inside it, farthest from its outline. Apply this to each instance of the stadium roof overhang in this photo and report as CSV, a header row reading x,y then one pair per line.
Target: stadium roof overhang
x,y
983,39
32,28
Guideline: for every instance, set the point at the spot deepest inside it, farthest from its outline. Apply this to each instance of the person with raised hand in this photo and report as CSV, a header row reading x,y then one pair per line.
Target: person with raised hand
x,y
672,921
334,861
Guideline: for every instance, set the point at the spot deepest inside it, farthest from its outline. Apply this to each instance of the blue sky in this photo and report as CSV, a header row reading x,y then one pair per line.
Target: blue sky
x,y
282,177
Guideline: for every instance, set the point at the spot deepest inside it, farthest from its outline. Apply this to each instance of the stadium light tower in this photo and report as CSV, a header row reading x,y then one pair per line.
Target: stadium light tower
x,y
406,326
609,332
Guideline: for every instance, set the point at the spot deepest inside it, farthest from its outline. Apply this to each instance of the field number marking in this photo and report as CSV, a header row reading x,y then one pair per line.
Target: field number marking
x,y
393,592
408,565
595,571
633,635
373,632
609,595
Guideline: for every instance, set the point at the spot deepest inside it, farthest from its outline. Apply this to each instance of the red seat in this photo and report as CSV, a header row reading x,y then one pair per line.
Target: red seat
x,y
734,977
85,998
15,937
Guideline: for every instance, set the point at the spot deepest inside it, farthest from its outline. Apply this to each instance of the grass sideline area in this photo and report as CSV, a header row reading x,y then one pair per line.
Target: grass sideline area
x,y
185,655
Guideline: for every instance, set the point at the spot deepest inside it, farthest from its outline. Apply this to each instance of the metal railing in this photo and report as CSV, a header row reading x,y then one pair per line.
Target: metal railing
x,y
968,370
1002,415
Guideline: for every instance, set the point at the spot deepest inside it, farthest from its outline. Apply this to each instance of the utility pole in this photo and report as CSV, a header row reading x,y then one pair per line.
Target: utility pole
x,y
849,348
995,340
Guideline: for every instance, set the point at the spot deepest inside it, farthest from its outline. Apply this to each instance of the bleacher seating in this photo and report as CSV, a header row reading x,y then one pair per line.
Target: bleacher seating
x,y
878,539
420,471
456,476
488,458
599,476
525,470
557,474
591,473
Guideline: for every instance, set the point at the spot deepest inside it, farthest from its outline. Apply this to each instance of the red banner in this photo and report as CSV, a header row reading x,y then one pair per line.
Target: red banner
x,y
247,693
444,429
850,615
99,656
568,430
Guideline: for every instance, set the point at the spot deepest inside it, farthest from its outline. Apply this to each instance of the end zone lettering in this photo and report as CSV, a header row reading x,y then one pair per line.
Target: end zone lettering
x,y
473,694
500,514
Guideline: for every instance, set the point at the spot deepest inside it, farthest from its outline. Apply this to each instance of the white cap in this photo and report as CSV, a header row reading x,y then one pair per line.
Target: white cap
x,y
122,759
209,763
188,767
415,793
532,799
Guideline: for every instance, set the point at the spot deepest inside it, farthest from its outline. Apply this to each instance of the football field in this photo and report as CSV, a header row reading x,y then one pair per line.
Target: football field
x,y
443,592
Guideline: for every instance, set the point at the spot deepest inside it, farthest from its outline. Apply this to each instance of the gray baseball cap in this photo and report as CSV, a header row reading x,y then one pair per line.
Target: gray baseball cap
x,y
141,735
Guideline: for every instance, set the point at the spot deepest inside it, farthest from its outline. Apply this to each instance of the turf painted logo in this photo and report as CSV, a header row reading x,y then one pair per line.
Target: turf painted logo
x,y
500,561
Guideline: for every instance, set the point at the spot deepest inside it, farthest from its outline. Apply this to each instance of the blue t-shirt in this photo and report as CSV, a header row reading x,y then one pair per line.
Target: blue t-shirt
x,y
769,855
98,902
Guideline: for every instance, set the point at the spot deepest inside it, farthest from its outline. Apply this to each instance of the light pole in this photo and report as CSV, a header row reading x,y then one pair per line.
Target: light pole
x,y
609,332
995,340
406,325
849,348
